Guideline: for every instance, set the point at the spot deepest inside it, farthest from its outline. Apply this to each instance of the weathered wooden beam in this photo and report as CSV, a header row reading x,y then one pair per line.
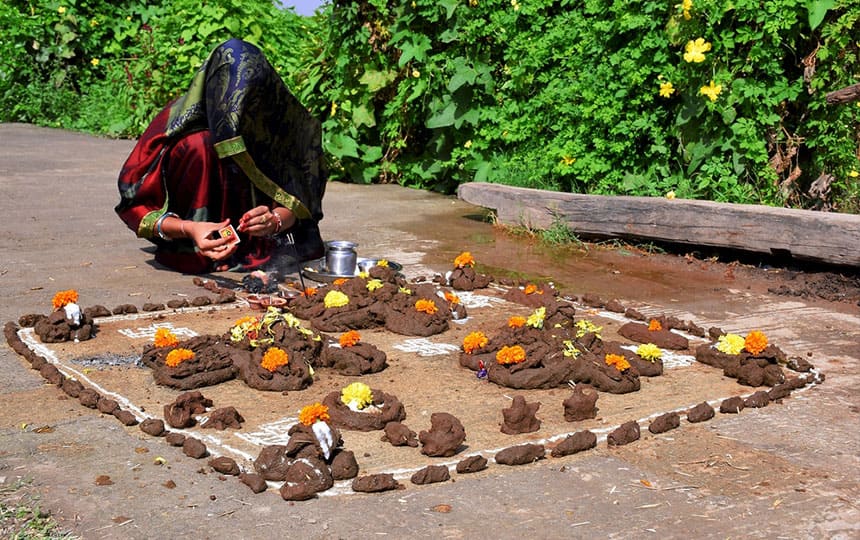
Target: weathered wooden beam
x,y
843,95
825,237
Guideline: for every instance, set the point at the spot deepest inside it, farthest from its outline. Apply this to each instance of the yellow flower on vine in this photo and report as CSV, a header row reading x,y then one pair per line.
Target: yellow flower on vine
x,y
686,7
567,161
667,89
695,50
853,174
711,91
61,10
94,62
333,108
94,23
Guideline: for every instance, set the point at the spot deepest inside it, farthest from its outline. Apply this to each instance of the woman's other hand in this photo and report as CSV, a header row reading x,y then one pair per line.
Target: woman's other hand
x,y
208,244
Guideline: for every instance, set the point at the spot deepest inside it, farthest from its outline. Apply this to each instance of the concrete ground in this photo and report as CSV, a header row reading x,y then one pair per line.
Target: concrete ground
x,y
790,470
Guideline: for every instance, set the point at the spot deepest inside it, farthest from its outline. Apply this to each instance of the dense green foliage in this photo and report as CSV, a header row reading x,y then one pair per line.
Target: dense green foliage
x,y
712,99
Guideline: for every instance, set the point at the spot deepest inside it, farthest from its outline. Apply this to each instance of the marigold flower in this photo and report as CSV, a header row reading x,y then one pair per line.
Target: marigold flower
x,y
404,290
246,326
587,327
357,395
617,360
755,342
474,341
426,306
531,288
348,339
311,414
570,349
335,299
165,338
373,284
274,358
649,352
62,298
711,91
666,89
177,356
452,298
339,281
695,50
511,355
382,262
464,259
537,317
516,321
310,291
730,344
654,326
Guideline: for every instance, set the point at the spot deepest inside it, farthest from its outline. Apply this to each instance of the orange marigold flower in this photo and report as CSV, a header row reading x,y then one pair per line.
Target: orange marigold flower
x,y
246,320
654,326
311,414
516,322
511,355
177,356
464,259
755,342
62,298
426,306
474,341
531,288
165,338
617,360
452,298
350,338
310,291
339,281
274,358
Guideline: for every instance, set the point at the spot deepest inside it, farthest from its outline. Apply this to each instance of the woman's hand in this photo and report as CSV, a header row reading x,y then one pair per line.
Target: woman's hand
x,y
262,221
202,234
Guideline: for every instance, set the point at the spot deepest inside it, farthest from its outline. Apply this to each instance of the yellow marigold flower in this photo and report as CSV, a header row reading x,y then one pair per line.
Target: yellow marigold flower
x,y
335,299
177,356
649,352
348,339
511,355
667,89
165,338
274,358
730,344
63,298
452,298
464,259
339,281
654,326
570,349
537,317
695,50
617,360
474,341
373,284
755,342
711,91
516,322
310,414
94,62
382,262
587,327
426,306
357,395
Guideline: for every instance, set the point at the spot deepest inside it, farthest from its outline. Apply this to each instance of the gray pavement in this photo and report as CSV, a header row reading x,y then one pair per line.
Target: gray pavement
x,y
790,470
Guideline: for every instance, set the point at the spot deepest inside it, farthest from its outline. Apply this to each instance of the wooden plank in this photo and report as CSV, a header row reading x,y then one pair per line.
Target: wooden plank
x,y
844,95
826,237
